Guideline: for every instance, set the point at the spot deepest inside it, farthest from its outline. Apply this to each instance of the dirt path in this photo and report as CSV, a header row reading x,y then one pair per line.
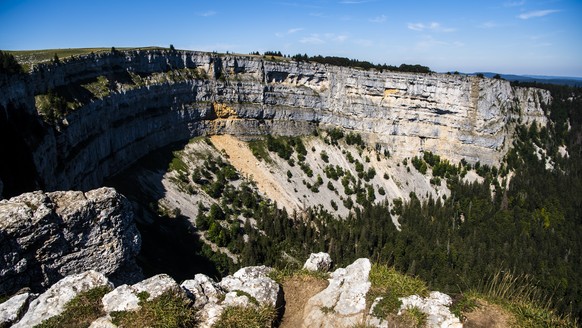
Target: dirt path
x,y
241,157
298,290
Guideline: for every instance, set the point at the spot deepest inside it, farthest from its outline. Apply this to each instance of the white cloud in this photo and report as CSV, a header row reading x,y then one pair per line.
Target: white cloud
x,y
379,19
514,3
294,30
289,32
433,26
537,13
312,39
489,24
207,13
325,38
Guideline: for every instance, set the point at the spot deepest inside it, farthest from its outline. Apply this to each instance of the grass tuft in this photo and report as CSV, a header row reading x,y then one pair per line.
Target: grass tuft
x,y
248,317
391,285
519,295
80,311
171,309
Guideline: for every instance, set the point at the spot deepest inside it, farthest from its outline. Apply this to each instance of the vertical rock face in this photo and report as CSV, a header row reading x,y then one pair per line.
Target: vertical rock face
x,y
184,94
343,302
46,236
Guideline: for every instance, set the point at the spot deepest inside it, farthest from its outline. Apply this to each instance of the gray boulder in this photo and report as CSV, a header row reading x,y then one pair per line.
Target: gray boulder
x,y
126,297
47,236
343,302
318,262
52,302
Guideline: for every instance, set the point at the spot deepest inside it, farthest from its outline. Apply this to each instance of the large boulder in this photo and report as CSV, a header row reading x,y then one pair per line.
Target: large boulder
x,y
52,302
47,236
318,262
343,302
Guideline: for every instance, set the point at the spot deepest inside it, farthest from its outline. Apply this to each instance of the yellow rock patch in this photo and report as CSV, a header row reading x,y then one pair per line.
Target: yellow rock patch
x,y
388,92
223,110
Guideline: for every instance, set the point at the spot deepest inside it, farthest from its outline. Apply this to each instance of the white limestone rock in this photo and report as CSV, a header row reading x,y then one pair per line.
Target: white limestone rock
x,y
202,289
208,296
126,297
53,301
436,306
13,308
318,262
255,282
343,302
103,322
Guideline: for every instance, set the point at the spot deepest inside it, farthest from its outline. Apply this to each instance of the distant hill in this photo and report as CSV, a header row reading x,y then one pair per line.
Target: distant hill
x,y
561,80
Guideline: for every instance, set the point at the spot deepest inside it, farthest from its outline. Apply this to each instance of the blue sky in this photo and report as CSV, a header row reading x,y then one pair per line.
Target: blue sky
x,y
507,36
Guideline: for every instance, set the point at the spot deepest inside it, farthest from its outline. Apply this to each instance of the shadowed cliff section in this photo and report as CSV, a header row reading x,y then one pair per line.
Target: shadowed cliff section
x,y
106,110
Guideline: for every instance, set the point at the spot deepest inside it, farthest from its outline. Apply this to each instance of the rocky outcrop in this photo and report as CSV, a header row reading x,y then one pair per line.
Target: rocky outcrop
x,y
436,307
52,302
127,297
318,262
343,302
47,236
161,97
250,286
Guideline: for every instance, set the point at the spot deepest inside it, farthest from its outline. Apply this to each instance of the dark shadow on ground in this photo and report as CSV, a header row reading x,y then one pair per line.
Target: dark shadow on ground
x,y
169,245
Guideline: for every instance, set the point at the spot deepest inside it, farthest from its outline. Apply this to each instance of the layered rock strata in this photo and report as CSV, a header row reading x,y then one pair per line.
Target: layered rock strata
x,y
155,98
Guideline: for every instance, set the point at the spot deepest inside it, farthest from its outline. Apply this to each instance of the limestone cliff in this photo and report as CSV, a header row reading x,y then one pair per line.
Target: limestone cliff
x,y
149,99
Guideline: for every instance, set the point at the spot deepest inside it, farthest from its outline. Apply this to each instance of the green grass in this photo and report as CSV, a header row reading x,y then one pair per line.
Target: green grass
x,y
99,88
390,285
37,56
518,295
80,311
171,309
248,317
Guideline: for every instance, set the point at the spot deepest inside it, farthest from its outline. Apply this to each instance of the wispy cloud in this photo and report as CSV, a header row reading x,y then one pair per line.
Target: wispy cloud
x,y
514,3
489,24
324,38
312,39
379,19
434,26
537,13
289,32
207,13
